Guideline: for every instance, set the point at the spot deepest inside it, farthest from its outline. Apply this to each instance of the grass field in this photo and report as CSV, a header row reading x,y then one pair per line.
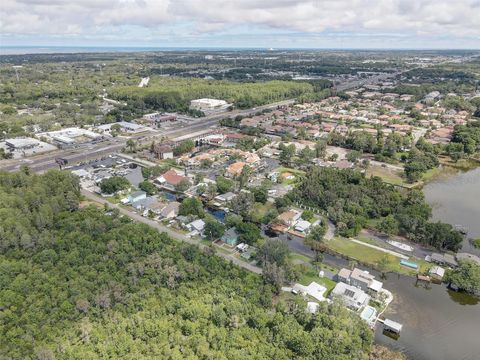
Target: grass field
x,y
389,176
371,256
295,172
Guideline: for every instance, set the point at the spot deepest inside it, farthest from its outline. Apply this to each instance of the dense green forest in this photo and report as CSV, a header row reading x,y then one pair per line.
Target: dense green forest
x,y
82,283
351,199
175,93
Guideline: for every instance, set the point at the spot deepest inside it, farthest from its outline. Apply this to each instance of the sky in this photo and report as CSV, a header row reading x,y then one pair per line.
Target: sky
x,y
349,24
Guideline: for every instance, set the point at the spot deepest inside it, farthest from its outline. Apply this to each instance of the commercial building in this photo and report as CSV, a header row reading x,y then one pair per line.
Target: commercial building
x,y
22,143
158,118
208,104
124,125
72,135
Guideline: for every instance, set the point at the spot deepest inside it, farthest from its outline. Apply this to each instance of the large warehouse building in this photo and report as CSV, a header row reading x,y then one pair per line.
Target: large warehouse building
x,y
208,104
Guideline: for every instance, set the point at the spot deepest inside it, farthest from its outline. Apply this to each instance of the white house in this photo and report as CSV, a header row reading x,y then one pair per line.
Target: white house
x,y
314,290
136,196
224,198
352,296
302,226
360,279
197,225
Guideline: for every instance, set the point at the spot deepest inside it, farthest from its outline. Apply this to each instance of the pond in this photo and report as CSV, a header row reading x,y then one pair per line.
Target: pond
x,y
437,323
218,214
455,199
168,195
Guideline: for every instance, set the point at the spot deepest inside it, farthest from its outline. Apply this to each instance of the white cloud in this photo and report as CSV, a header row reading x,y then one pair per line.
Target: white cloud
x,y
437,18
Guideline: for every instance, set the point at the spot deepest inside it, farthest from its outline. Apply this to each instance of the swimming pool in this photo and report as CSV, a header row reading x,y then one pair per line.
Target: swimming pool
x,y
369,314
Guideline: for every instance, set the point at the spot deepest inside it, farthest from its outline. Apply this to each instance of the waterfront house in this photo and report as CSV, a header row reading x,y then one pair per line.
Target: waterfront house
x,y
444,259
289,217
352,297
437,272
170,211
360,279
170,179
393,326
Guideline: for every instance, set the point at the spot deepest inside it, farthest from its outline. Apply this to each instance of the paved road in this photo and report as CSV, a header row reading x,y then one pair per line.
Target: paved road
x,y
418,251
87,152
173,234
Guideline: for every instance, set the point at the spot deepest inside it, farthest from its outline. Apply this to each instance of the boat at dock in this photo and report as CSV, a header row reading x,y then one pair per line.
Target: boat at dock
x,y
400,245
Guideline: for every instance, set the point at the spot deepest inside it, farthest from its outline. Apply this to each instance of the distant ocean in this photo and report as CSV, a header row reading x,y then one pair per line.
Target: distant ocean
x,y
22,50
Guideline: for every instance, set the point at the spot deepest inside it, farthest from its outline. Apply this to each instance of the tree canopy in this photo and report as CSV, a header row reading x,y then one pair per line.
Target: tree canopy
x,y
351,199
113,184
89,285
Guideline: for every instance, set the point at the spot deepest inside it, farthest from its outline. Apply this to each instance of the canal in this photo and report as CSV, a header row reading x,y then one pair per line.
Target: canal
x,y
455,199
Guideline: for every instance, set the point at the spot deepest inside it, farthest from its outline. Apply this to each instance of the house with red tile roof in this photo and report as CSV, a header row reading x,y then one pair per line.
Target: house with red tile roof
x,y
171,178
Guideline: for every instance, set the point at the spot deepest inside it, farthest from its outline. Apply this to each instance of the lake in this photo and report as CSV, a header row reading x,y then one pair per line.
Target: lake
x,y
438,324
455,199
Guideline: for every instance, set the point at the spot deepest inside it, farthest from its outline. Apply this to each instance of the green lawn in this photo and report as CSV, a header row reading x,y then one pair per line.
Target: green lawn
x,y
389,176
259,210
295,172
312,275
371,256
297,256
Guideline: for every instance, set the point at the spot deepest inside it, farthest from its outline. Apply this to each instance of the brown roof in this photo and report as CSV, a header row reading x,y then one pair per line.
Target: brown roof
x,y
173,178
287,216
236,168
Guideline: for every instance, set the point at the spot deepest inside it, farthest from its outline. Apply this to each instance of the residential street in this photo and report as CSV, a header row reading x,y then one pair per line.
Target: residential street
x,y
173,234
